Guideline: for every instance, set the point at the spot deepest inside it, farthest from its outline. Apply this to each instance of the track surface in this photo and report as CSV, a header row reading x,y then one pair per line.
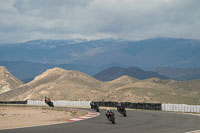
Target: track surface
x,y
136,122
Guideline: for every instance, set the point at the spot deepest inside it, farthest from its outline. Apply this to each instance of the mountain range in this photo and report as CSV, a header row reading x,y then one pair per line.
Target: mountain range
x,y
149,53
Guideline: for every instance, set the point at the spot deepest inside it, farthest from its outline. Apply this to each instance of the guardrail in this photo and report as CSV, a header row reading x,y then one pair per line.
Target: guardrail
x,y
148,106
13,102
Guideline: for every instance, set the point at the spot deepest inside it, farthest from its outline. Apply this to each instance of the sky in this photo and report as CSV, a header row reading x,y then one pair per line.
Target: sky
x,y
23,20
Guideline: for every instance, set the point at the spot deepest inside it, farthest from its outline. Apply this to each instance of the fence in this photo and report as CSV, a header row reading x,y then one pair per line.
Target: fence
x,y
181,108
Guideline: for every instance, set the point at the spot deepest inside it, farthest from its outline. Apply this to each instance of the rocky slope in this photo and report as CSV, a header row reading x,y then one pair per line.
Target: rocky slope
x,y
8,81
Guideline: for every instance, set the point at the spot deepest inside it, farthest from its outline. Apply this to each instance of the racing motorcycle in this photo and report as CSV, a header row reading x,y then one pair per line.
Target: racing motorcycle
x,y
49,102
111,117
122,111
96,108
92,105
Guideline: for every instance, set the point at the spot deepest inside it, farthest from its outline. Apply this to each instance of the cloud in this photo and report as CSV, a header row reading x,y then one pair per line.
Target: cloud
x,y
23,20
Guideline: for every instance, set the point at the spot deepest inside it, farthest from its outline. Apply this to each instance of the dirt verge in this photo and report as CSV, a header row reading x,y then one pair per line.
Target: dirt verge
x,y
25,116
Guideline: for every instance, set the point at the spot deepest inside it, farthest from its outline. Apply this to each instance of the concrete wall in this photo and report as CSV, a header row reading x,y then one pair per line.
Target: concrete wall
x,y
181,108
61,103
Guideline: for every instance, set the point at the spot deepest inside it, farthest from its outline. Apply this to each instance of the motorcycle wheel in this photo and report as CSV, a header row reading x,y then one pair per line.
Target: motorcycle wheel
x,y
51,104
113,121
124,114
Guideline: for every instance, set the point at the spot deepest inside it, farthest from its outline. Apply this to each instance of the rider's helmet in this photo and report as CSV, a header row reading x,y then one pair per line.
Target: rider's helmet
x,y
108,110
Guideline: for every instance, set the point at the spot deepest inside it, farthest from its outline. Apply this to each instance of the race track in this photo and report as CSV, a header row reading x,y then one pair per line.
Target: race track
x,y
136,122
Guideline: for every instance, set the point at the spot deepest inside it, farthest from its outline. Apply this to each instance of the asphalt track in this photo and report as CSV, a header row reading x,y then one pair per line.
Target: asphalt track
x,y
136,122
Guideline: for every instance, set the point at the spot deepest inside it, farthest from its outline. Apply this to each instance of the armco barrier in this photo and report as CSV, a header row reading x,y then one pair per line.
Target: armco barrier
x,y
149,106
13,102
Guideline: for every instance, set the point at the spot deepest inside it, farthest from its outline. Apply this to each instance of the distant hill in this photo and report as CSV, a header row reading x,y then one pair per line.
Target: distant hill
x,y
163,91
60,84
179,73
116,72
8,81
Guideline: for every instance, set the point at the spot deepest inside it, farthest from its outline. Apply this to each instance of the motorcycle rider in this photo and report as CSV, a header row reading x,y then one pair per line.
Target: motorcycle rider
x,y
109,113
47,100
92,104
120,107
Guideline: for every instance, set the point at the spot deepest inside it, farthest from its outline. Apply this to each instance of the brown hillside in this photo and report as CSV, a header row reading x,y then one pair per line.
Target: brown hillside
x,y
7,80
162,91
124,80
60,84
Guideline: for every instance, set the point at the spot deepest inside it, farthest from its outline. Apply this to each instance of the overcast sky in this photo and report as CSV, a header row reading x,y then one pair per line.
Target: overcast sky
x,y
22,20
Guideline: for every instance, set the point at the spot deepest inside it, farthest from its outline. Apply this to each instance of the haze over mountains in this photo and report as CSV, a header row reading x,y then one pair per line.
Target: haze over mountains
x,y
60,84
94,56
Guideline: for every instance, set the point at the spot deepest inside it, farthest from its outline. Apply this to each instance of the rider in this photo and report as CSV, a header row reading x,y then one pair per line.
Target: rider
x,y
93,105
47,99
109,113
120,107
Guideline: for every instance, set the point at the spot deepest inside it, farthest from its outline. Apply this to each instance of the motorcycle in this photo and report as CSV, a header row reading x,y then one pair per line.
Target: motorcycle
x,y
92,105
122,111
49,103
96,108
111,117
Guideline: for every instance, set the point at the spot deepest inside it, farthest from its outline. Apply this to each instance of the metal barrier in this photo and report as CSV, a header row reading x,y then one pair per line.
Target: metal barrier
x,y
13,102
148,106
